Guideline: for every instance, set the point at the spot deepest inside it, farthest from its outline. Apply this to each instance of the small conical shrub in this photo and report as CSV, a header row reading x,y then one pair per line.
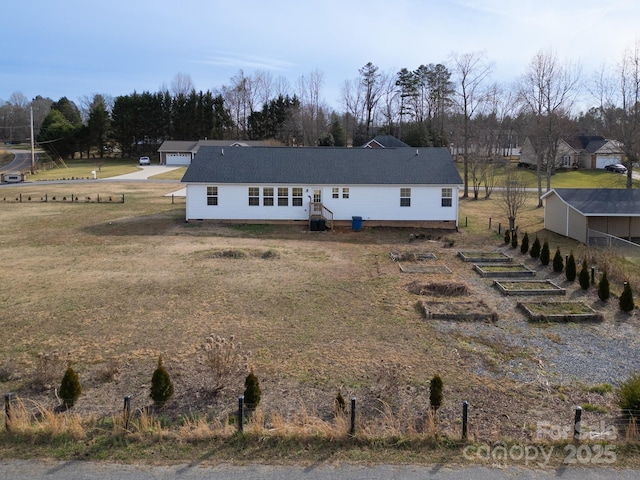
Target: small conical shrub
x,y
629,396
571,270
70,388
558,261
603,287
535,248
252,391
545,254
339,405
514,239
435,392
161,386
626,299
524,246
584,277
507,237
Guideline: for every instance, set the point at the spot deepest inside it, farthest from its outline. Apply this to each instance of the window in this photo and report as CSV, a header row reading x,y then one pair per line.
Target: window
x,y
267,196
296,196
405,197
212,196
447,197
345,192
283,196
335,192
254,196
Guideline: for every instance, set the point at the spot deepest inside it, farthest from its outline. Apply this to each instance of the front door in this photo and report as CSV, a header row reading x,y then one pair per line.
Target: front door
x,y
317,202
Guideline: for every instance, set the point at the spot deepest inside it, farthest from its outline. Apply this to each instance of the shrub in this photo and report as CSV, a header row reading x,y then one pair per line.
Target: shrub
x,y
629,396
252,391
339,405
545,254
507,236
571,268
161,386
70,388
514,239
435,392
626,299
535,248
603,287
558,262
584,278
524,246
223,358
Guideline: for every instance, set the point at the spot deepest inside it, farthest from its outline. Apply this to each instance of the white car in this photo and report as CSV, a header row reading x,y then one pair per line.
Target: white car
x,y
144,161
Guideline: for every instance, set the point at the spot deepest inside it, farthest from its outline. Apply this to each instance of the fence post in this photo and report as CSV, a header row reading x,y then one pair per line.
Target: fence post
x,y
20,198
8,400
576,423
499,228
465,417
172,201
489,223
593,275
127,411
352,429
240,413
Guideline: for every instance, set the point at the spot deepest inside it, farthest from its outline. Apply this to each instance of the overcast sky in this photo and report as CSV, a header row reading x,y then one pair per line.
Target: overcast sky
x,y
78,48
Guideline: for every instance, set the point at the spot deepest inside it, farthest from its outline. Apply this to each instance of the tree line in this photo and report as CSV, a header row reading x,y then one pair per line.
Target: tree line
x,y
455,104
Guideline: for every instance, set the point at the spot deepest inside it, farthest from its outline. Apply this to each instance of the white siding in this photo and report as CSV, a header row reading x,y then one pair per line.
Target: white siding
x,y
368,202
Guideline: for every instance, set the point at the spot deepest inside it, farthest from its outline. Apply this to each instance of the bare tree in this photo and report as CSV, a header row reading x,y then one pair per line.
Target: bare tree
x,y
352,94
471,71
547,91
309,94
182,85
513,194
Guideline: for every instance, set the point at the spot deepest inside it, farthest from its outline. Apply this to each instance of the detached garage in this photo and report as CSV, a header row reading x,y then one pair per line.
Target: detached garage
x,y
573,212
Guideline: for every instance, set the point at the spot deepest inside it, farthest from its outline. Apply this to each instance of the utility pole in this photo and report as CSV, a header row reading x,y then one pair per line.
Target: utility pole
x,y
33,156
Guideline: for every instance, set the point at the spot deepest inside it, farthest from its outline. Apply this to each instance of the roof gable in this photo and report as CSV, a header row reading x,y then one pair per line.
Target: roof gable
x,y
323,166
600,201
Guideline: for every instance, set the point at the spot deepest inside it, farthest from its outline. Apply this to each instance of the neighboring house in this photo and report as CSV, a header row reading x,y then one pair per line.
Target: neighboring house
x,y
572,212
178,152
381,187
384,141
582,151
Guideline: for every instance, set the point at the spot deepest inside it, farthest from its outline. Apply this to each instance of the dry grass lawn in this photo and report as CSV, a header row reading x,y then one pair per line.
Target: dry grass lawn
x,y
110,287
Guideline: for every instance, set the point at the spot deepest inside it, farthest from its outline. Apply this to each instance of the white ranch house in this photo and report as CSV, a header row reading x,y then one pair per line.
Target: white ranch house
x,y
380,187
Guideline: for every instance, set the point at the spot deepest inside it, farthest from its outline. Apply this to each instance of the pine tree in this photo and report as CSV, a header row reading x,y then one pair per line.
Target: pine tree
x,y
603,287
339,405
524,246
252,391
535,248
584,278
514,239
161,386
435,392
545,254
507,236
558,262
571,268
70,388
626,299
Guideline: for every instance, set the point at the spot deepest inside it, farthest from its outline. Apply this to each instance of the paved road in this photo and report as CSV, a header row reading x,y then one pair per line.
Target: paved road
x,y
77,470
22,161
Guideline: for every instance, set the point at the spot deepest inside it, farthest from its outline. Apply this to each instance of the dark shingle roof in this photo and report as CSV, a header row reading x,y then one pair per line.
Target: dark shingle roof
x,y
323,166
387,141
602,201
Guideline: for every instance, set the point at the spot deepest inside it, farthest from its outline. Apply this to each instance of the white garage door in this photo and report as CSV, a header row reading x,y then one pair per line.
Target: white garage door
x,y
178,159
604,160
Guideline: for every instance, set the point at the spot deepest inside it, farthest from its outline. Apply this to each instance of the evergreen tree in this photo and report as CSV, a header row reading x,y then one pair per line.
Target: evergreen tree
x,y
626,299
535,248
584,278
514,239
571,268
558,262
507,236
161,386
524,246
603,287
435,392
339,405
545,254
252,391
70,388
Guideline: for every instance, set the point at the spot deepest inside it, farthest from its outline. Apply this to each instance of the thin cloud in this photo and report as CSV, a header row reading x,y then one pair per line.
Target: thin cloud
x,y
247,61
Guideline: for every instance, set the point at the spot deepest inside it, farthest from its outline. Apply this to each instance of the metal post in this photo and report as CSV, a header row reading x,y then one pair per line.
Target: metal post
x,y
240,413
352,430
489,223
499,228
465,416
576,423
8,400
127,411
466,221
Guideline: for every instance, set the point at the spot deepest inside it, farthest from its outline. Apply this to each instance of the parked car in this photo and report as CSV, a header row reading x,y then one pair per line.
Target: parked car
x,y
616,167
145,161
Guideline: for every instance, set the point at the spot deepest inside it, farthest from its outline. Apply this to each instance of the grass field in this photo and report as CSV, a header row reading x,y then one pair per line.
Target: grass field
x,y
110,287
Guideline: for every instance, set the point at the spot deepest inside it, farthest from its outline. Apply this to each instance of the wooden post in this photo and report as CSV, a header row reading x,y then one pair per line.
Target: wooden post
x,y
352,430
489,223
240,413
127,411
465,417
576,423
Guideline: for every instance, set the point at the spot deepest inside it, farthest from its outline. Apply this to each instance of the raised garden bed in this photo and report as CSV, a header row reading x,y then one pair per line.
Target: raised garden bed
x,y
411,256
459,311
446,289
529,287
424,269
560,312
500,270
480,257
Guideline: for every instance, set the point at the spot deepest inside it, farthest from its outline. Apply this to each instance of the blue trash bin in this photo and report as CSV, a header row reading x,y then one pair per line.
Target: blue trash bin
x,y
356,224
